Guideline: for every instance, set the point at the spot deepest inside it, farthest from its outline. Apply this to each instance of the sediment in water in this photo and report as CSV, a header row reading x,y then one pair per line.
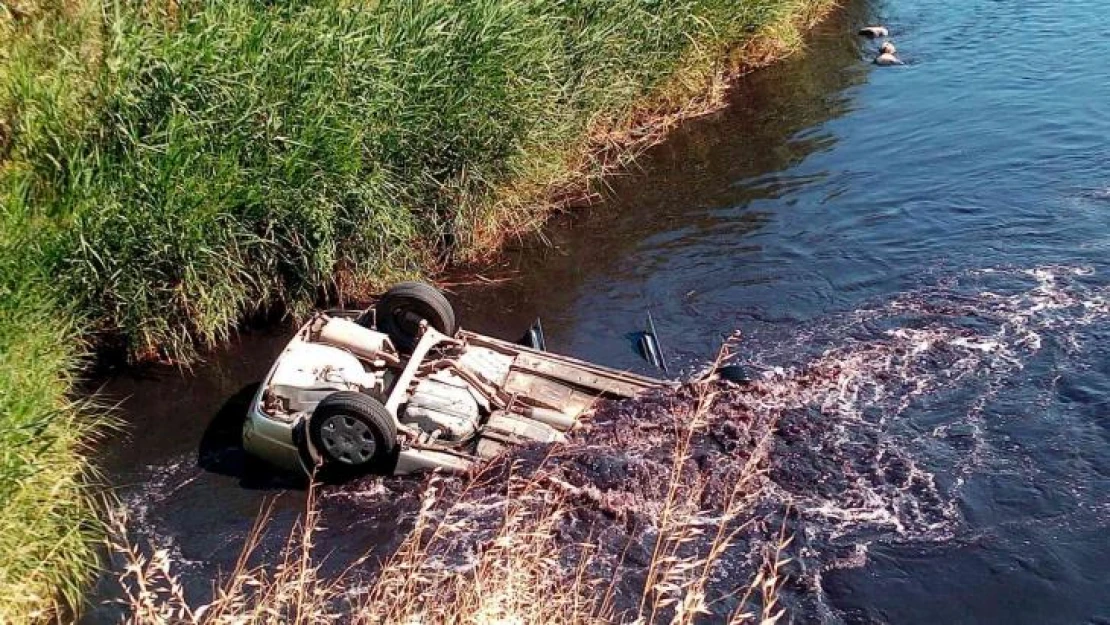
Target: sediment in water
x,y
683,502
639,508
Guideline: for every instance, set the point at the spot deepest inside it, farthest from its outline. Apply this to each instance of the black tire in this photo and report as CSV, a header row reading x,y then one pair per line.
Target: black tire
x,y
366,319
401,309
353,433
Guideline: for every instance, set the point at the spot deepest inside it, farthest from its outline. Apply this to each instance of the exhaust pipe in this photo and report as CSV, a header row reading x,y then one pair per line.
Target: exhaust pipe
x,y
534,337
650,348
554,418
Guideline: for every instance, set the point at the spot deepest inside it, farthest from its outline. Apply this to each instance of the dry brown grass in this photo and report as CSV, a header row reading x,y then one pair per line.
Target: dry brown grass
x,y
516,577
677,581
288,591
512,566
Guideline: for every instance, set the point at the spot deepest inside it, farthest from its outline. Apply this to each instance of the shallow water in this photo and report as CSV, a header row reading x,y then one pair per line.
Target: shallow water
x,y
936,233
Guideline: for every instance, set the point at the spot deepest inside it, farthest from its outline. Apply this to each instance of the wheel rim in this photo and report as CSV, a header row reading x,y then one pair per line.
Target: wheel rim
x,y
348,439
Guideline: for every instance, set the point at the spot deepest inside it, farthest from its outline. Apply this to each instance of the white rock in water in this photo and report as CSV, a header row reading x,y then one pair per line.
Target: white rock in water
x,y
887,58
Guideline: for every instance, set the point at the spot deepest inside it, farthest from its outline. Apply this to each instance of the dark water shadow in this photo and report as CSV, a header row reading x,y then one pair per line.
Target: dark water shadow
x,y
221,448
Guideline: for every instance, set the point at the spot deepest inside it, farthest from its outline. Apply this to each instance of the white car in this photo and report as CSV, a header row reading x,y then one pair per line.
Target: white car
x,y
398,389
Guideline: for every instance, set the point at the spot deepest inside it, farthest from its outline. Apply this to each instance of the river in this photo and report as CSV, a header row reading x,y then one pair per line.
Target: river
x,y
957,207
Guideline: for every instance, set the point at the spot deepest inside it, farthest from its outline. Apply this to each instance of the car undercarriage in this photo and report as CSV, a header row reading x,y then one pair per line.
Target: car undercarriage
x,y
399,388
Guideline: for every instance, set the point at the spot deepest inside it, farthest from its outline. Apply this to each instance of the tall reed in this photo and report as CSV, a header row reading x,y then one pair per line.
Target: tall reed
x,y
48,528
187,163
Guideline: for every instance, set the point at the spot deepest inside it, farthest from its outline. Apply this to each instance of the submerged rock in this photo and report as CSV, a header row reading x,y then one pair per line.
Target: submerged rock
x,y
887,58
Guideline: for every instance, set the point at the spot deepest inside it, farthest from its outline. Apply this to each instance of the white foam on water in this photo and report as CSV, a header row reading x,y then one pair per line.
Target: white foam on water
x,y
882,423
860,397
162,482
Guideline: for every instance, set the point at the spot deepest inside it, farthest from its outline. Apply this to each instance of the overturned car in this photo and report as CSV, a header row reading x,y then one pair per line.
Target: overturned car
x,y
399,388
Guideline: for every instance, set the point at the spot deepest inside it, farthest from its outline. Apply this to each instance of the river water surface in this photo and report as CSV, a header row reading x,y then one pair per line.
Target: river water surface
x,y
939,231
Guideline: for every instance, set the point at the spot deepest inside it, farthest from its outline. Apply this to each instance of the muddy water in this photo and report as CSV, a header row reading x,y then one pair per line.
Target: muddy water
x,y
932,237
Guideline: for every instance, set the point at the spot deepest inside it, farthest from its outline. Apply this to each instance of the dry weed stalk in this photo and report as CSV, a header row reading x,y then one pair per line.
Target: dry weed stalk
x,y
151,590
291,591
493,549
768,583
678,579
515,575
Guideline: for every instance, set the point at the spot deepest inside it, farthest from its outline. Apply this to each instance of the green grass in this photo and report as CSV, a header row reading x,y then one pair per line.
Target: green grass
x,y
47,518
169,167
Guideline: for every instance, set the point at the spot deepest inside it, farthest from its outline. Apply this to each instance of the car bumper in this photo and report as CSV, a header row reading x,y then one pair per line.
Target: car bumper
x,y
273,441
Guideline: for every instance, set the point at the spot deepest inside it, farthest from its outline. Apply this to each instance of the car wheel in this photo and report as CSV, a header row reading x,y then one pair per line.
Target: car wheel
x,y
353,433
400,311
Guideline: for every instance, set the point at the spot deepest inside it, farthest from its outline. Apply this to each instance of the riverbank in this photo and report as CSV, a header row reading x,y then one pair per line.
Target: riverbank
x,y
166,171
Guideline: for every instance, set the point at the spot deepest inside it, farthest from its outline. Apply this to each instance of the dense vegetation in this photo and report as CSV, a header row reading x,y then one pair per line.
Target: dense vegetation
x,y
168,167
